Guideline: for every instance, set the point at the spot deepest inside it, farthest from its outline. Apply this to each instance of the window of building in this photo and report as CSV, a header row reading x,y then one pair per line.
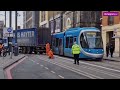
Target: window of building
x,y
110,20
67,42
52,26
43,16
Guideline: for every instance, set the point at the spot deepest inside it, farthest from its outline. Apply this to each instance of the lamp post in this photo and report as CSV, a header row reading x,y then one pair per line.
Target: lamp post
x,y
16,45
10,25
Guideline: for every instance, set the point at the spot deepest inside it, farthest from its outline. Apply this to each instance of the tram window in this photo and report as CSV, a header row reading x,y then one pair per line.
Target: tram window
x,y
71,42
83,41
57,42
53,42
75,39
60,42
67,42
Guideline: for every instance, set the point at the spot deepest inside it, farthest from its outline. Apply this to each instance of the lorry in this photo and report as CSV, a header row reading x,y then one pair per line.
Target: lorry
x,y
32,40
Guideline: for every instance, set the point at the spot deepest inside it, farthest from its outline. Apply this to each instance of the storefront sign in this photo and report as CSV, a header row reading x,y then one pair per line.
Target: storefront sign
x,y
110,13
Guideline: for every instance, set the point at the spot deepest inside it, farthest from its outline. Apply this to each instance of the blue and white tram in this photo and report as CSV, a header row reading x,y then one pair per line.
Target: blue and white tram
x,y
88,38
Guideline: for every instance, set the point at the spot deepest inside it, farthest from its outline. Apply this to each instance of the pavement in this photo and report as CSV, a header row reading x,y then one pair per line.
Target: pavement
x,y
114,58
6,61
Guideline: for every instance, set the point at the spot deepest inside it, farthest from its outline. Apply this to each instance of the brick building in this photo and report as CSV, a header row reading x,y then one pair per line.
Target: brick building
x,y
110,27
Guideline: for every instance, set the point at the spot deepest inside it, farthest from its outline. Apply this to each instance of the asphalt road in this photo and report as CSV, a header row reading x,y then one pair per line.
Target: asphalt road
x,y
35,68
40,67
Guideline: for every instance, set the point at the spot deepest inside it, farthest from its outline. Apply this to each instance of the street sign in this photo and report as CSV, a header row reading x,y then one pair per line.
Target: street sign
x,y
9,30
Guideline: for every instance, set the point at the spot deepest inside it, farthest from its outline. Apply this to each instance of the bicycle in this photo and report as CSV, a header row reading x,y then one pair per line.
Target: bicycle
x,y
4,52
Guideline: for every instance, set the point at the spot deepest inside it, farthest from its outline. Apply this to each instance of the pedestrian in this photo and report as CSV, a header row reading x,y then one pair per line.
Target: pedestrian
x,y
107,49
111,49
50,54
47,48
76,52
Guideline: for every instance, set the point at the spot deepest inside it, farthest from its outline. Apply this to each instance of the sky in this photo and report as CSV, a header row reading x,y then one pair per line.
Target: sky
x,y
20,18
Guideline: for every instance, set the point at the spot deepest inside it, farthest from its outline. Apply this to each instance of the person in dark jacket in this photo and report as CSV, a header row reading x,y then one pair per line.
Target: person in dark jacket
x,y
107,49
111,49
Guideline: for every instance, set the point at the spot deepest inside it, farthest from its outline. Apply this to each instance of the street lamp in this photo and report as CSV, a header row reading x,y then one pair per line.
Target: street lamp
x,y
16,45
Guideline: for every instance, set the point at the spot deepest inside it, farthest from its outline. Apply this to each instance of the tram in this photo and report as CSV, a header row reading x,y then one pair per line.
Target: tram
x,y
89,39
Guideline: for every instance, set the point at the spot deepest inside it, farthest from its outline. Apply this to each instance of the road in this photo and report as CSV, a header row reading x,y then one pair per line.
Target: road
x,y
40,67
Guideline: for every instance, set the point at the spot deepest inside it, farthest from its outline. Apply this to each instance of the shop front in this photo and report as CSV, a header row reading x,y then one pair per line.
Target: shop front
x,y
111,34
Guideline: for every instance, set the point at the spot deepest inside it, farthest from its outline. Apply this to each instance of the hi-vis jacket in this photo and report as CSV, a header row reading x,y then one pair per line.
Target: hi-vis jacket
x,y
75,49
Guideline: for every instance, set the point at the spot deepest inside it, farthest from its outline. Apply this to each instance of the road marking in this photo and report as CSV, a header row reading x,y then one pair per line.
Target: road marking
x,y
46,68
104,72
52,71
60,76
41,65
95,65
32,60
101,71
37,63
75,70
7,70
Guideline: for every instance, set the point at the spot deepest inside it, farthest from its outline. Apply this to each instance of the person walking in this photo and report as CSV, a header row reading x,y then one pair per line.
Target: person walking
x,y
76,52
107,49
111,49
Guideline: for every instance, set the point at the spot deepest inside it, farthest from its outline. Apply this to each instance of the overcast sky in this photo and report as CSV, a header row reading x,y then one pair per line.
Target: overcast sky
x,y
20,18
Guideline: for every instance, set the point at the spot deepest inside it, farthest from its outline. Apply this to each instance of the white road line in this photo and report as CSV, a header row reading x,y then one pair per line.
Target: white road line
x,y
41,65
76,70
101,71
32,60
46,68
60,76
52,71
96,65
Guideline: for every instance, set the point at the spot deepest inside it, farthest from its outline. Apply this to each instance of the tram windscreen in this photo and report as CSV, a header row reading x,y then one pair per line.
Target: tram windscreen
x,y
94,40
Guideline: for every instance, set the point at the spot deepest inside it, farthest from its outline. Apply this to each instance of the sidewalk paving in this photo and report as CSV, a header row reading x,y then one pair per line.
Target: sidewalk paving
x,y
114,58
6,61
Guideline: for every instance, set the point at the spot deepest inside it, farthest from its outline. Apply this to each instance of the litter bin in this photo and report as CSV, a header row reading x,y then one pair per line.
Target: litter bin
x,y
16,49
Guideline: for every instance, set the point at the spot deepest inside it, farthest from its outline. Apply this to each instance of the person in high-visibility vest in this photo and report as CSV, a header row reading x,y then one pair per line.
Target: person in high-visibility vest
x,y
47,48
50,54
76,52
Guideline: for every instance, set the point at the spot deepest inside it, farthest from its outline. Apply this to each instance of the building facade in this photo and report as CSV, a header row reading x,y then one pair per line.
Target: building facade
x,y
55,22
110,28
30,19
81,19
45,17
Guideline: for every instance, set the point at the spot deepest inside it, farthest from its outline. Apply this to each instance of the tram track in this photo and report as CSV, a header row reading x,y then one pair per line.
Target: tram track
x,y
104,72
